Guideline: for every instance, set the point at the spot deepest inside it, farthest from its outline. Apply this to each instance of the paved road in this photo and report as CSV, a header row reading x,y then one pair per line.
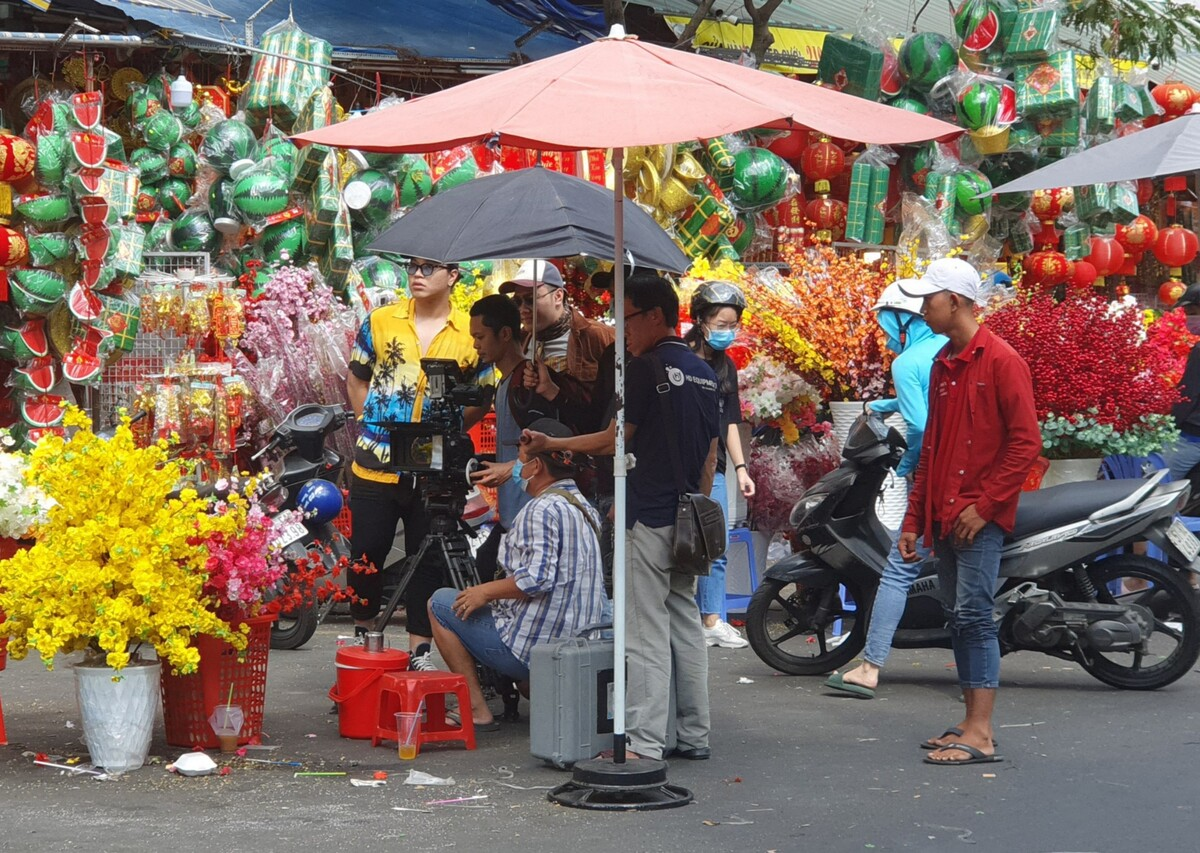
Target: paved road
x,y
1088,769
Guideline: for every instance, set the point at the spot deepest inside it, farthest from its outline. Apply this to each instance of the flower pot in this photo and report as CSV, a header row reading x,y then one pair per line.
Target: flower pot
x,y
118,711
893,500
1071,471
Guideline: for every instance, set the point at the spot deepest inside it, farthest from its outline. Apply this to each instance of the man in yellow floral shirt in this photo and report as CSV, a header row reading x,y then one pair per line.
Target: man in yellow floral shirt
x,y
386,383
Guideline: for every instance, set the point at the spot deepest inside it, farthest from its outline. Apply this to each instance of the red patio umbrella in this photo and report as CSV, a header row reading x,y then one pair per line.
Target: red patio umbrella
x,y
616,93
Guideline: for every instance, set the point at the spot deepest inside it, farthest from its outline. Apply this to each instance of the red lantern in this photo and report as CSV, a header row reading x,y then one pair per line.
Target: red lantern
x,y
790,145
1048,205
1174,97
1107,255
1129,268
1047,268
1170,291
829,216
1145,191
17,157
1121,291
1139,235
1083,276
14,248
1176,247
821,162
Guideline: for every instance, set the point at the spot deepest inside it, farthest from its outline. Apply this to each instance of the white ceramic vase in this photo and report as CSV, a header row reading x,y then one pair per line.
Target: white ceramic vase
x,y
118,715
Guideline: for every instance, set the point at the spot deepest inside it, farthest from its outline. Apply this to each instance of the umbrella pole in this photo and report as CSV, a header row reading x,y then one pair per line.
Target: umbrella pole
x,y
620,785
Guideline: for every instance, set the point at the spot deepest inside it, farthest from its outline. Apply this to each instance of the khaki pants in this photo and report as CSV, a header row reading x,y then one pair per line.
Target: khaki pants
x,y
662,624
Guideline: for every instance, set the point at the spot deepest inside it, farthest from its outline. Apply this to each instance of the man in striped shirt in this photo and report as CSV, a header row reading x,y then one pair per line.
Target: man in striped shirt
x,y
553,585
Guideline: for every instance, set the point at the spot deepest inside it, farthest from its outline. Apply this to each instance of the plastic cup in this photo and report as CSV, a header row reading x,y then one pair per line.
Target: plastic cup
x,y
228,741
407,727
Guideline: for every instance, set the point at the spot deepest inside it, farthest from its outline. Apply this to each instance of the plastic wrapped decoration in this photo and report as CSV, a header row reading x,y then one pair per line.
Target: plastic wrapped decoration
x,y
1048,87
371,196
851,65
867,203
228,142
260,191
761,179
987,108
453,168
279,87
1034,33
979,25
925,58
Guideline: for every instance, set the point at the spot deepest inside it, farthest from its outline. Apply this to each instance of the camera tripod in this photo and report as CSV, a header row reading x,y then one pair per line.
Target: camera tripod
x,y
446,543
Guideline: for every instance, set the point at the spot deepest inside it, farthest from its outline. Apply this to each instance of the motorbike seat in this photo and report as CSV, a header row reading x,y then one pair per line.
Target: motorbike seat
x,y
1056,506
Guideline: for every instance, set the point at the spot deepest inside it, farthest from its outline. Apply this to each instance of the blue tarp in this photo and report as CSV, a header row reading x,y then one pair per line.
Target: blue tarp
x,y
464,30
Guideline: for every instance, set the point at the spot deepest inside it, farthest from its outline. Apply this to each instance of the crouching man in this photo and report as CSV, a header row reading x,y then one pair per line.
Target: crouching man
x,y
553,586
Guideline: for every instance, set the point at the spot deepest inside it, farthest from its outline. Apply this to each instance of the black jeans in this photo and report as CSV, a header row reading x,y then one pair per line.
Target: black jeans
x,y
488,553
375,508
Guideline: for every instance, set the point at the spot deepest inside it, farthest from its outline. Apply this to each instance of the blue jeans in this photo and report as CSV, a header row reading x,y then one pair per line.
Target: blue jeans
x,y
1181,457
967,577
710,590
890,600
479,634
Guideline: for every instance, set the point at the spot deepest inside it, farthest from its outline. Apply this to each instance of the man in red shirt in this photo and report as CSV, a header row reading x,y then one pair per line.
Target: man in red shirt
x,y
980,442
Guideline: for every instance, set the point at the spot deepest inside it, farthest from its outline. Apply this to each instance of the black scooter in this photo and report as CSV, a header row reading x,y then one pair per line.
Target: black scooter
x,y
1068,586
302,436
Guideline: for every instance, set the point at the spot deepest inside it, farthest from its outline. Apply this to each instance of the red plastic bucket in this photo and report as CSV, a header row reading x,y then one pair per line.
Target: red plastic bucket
x,y
357,689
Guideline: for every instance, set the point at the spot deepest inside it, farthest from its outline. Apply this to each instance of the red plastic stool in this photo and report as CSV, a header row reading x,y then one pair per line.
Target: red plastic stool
x,y
404,692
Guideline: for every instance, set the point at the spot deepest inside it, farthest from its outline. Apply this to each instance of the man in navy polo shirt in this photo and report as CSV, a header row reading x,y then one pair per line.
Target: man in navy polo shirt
x,y
662,620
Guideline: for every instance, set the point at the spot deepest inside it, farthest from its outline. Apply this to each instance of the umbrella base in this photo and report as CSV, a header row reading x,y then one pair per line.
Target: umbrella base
x,y
602,785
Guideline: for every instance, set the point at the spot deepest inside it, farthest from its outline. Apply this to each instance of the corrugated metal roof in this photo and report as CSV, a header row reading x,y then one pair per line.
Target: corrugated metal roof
x,y
896,16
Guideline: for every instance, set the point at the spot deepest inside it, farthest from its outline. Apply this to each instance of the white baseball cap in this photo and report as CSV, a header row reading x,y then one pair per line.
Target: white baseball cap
x,y
952,274
531,274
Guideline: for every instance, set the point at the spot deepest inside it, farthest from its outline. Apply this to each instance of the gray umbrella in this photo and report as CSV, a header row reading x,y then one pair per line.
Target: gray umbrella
x,y
1171,148
528,213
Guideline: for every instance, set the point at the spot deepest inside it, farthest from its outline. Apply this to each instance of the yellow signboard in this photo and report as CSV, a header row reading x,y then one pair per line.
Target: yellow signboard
x,y
794,51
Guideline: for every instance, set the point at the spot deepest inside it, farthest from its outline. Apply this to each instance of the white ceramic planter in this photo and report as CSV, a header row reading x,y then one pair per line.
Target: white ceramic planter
x,y
893,502
1071,471
118,716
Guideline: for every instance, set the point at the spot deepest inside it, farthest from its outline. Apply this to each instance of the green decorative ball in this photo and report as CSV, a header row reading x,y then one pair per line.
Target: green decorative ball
x,y
465,171
162,130
173,195
415,183
968,185
181,161
285,237
910,104
926,58
152,164
228,142
194,231
261,193
978,105
381,201
760,179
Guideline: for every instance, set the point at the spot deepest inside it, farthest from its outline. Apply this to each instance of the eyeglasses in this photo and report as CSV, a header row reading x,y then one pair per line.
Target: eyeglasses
x,y
521,300
629,317
426,269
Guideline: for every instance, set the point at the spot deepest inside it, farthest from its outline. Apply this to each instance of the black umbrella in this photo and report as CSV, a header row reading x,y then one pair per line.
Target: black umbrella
x,y
1167,149
529,213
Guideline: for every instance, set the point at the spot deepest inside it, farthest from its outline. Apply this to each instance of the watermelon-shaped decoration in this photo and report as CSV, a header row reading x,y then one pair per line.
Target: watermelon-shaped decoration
x,y
44,208
1001,170
141,105
283,241
926,58
153,164
87,108
42,284
51,116
162,131
147,200
260,193
741,233
96,243
224,214
52,153
190,116
115,148
393,164
977,25
88,147
173,195
891,80
281,148
379,190
83,362
915,164
910,104
27,437
760,179
465,171
228,142
42,410
383,273
969,184
84,304
96,273
193,231
415,182
181,161
48,248
158,235
29,304
26,341
978,105
39,375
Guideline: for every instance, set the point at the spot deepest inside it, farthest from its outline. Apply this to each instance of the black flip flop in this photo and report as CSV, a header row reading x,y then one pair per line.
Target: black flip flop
x,y
957,732
974,756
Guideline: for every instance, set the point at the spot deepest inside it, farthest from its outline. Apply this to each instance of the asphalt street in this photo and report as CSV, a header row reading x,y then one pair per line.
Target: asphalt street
x,y
1088,768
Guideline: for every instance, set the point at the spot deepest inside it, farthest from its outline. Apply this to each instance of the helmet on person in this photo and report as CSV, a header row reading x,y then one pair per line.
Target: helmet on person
x,y
716,294
894,298
1191,296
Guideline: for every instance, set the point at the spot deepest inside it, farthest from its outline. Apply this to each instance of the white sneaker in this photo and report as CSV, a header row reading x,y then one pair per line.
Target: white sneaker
x,y
422,662
724,635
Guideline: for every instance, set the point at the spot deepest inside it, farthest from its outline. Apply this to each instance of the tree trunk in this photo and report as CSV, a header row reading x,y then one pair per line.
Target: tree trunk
x,y
761,18
614,13
689,32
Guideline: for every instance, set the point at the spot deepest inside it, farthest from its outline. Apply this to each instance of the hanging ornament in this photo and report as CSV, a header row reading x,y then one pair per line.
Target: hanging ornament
x,y
1047,268
1083,276
1107,256
1145,191
17,157
789,146
829,217
821,162
1175,248
1170,291
1175,97
14,248
1048,205
1138,236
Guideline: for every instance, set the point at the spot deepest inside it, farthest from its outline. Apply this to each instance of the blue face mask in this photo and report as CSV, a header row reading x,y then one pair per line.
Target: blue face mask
x,y
720,339
521,482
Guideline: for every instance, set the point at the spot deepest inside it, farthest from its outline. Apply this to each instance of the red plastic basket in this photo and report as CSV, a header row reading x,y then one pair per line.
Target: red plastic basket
x,y
343,522
188,700
483,434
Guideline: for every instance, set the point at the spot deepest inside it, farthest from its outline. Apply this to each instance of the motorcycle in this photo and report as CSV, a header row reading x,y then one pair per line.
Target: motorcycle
x,y
302,436
1067,588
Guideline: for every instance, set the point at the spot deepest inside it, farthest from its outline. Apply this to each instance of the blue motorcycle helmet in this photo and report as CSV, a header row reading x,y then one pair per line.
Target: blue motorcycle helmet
x,y
320,501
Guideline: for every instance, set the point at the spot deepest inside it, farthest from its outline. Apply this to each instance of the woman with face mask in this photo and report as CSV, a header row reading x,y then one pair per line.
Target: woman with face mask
x,y
716,317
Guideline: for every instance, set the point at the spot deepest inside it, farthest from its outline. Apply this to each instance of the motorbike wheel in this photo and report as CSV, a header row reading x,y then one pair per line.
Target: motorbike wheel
x,y
792,627
1175,643
295,628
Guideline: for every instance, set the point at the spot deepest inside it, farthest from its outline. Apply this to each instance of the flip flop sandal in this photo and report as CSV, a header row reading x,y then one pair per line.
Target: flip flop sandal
x,y
837,682
957,732
493,726
974,756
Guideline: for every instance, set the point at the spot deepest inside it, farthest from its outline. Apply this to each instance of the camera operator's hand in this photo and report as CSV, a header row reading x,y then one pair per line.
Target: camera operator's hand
x,y
492,474
535,442
537,379
469,600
